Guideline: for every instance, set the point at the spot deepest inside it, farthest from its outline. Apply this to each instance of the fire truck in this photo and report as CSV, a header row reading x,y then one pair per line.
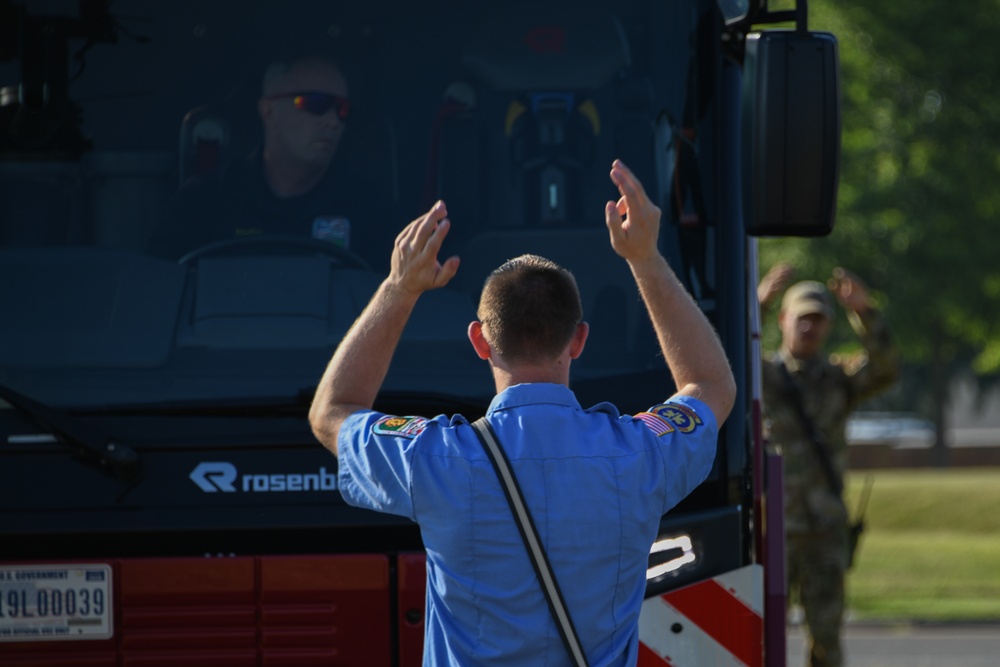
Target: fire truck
x,y
162,499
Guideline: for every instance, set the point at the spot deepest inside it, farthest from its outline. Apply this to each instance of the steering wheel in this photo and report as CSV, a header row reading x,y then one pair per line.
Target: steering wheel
x,y
276,244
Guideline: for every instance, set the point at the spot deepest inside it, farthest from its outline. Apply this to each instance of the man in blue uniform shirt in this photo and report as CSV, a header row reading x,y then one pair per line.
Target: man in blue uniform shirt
x,y
596,482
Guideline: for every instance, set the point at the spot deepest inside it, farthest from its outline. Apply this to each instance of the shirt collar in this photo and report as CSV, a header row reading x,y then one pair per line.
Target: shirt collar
x,y
802,366
533,393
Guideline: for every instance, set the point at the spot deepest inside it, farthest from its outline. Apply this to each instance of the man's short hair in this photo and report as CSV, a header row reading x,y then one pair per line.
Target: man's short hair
x,y
274,73
530,308
278,69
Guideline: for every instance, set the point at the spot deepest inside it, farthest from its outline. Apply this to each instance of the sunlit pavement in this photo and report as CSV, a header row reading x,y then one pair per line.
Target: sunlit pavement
x,y
910,645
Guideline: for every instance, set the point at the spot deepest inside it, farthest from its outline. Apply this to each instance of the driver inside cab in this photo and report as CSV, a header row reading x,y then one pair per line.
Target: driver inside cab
x,y
291,185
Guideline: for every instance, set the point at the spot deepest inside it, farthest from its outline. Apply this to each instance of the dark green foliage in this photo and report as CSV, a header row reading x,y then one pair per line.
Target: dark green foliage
x,y
919,202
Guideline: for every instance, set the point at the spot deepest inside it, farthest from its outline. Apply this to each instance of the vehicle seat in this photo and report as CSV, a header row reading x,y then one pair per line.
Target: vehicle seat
x,y
541,93
205,141
610,302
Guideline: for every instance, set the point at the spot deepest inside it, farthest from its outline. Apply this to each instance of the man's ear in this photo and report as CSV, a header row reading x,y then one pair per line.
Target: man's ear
x,y
478,340
579,340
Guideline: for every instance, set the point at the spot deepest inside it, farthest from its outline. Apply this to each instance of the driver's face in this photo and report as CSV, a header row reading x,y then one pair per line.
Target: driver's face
x,y
300,135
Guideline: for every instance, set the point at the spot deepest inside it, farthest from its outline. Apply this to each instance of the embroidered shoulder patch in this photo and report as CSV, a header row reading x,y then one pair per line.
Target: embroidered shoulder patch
x,y
681,416
655,423
405,427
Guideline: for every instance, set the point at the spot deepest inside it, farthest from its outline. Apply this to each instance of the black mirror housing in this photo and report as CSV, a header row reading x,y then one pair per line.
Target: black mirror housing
x,y
791,133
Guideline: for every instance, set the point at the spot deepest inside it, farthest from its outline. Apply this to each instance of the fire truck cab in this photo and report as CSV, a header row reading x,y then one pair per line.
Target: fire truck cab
x,y
162,498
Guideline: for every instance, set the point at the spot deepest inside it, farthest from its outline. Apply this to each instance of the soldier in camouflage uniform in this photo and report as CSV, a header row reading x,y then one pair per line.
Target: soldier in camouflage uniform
x,y
830,388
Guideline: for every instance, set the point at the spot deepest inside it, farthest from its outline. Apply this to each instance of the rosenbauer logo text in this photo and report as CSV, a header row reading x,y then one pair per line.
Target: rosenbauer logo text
x,y
216,476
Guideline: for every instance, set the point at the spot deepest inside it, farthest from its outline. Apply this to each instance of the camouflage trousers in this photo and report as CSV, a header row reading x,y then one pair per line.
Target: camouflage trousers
x,y
817,563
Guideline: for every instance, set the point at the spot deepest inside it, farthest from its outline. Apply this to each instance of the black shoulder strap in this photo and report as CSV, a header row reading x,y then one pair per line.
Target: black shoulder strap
x,y
532,542
815,437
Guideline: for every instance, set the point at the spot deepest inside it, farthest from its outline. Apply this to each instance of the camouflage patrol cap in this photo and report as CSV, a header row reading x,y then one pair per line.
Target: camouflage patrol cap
x,y
807,297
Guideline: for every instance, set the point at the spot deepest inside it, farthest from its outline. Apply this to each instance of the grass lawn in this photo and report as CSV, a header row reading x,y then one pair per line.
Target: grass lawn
x,y
931,549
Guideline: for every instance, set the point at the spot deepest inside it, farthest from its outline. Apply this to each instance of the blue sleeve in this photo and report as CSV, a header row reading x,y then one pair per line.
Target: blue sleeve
x,y
688,437
375,455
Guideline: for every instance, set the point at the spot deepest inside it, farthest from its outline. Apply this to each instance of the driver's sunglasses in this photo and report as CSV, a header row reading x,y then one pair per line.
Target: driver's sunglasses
x,y
317,104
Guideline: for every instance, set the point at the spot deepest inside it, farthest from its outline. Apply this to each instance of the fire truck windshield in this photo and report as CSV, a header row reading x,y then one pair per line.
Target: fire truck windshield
x,y
199,204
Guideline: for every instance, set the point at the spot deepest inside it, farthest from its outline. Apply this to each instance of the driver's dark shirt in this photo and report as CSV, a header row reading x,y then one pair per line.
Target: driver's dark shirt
x,y
235,202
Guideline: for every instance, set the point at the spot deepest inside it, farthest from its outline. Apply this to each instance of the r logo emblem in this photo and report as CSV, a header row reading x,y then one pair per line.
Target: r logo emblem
x,y
212,477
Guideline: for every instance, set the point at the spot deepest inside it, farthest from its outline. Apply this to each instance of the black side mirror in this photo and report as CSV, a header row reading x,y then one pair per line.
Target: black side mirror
x,y
791,133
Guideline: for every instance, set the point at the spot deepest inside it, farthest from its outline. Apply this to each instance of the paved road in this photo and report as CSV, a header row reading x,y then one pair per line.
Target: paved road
x,y
911,645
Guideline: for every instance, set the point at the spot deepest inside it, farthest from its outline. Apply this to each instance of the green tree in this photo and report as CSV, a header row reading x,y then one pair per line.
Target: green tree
x,y
918,206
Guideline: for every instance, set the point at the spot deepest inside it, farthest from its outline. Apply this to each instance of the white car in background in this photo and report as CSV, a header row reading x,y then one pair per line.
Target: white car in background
x,y
896,429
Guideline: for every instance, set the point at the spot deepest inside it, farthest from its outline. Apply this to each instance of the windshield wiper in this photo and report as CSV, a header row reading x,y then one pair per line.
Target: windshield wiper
x,y
90,443
211,407
393,402
429,404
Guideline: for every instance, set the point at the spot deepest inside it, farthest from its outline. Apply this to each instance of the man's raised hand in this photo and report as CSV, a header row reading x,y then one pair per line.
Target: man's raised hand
x,y
415,267
633,221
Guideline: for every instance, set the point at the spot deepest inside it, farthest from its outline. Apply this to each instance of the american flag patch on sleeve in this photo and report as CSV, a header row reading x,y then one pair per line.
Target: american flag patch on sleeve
x,y
681,416
655,423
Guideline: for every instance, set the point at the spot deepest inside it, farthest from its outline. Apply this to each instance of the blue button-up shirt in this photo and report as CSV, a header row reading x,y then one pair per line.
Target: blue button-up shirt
x,y
596,483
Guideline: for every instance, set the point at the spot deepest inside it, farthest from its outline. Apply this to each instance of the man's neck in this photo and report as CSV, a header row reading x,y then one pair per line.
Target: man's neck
x,y
289,179
505,378
799,357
